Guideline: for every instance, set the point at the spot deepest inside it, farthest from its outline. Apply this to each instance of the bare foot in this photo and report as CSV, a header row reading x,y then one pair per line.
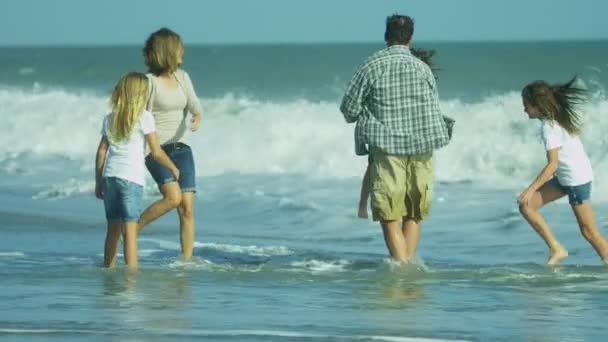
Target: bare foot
x,y
362,211
557,255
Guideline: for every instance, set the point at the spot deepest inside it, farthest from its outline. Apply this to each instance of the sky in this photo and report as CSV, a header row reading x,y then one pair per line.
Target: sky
x,y
120,22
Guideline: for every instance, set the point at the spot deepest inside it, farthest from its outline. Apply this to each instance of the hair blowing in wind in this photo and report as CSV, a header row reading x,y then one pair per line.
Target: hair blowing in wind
x,y
557,102
128,102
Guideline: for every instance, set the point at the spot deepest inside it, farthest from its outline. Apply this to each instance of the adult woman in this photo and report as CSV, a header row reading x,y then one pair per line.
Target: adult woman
x,y
172,97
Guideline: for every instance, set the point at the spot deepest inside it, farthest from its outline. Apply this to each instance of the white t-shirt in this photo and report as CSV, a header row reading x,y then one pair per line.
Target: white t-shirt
x,y
126,158
574,167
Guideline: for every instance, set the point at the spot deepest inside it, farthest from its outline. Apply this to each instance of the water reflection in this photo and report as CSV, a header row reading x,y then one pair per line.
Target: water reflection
x,y
152,300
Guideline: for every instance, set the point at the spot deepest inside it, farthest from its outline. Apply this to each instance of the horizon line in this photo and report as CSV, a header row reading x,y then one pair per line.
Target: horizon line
x,y
429,41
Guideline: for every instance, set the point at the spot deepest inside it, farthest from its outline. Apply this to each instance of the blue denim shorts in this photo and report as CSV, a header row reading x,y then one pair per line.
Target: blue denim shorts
x,y
577,194
181,155
122,199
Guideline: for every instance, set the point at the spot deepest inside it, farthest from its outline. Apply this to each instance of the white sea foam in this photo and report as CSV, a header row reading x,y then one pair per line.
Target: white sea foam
x,y
265,251
301,335
249,250
12,255
66,189
494,142
319,266
26,71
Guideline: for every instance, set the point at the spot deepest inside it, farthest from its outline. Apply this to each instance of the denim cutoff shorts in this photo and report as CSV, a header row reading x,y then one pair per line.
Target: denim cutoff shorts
x,y
577,194
181,155
122,199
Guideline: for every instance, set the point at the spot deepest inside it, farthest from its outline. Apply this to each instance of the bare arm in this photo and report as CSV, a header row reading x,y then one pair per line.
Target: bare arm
x,y
100,161
545,175
193,105
196,121
157,153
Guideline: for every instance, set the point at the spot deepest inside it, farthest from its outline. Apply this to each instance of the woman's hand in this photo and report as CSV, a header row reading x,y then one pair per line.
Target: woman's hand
x,y
98,190
195,124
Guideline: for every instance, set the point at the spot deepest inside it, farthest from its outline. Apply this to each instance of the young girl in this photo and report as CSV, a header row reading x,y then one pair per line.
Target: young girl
x,y
568,169
425,56
120,168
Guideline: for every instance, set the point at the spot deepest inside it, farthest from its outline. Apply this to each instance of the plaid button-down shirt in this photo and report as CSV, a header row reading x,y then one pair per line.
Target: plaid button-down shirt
x,y
393,98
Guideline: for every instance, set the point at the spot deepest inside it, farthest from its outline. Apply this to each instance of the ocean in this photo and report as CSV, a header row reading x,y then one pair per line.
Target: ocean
x,y
280,254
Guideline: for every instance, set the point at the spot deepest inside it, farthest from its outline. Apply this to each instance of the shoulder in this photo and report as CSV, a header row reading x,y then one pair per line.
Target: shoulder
x,y
376,59
421,67
182,74
550,128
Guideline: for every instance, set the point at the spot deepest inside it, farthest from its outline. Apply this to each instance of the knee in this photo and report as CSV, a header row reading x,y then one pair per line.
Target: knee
x,y
526,209
588,232
185,211
173,199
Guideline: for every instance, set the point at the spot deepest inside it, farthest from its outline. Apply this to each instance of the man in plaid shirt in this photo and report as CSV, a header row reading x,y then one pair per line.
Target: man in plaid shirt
x,y
393,98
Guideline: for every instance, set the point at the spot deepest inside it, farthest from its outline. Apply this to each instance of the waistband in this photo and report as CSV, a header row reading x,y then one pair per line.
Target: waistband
x,y
176,146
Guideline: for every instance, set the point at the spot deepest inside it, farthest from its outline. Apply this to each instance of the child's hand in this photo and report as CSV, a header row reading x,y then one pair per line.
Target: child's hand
x,y
98,190
525,197
175,173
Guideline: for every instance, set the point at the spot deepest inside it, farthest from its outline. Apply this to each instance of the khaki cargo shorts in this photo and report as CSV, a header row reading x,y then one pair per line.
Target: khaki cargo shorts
x,y
402,186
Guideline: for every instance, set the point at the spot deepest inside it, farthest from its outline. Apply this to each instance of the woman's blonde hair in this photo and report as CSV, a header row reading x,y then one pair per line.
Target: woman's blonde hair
x,y
161,52
556,102
128,102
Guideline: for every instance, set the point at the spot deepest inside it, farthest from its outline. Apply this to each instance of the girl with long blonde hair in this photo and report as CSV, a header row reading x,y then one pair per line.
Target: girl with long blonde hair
x,y
120,165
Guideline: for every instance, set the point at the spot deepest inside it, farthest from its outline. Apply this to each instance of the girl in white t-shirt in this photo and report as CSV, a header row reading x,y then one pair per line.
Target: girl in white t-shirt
x,y
568,169
120,165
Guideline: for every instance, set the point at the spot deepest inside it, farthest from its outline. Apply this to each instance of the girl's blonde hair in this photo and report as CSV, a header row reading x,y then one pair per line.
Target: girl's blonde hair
x,y
161,52
556,102
128,102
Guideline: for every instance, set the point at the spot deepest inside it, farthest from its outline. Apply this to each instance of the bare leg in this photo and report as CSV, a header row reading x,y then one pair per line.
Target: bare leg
x,y
186,224
411,232
111,244
586,222
130,244
395,242
365,190
172,196
546,194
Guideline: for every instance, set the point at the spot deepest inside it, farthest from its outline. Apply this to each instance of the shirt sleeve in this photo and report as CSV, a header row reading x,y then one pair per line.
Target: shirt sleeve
x,y
551,134
193,105
104,125
354,98
147,123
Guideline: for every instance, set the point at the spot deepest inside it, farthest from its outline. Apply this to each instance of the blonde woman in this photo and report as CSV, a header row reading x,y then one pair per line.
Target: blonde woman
x,y
119,167
172,97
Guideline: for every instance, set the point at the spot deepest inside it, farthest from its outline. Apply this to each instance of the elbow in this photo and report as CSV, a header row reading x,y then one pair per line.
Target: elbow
x,y
348,116
552,167
156,154
101,153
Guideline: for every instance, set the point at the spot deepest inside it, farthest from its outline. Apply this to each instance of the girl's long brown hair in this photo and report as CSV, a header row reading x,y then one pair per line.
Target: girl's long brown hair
x,y
128,102
557,102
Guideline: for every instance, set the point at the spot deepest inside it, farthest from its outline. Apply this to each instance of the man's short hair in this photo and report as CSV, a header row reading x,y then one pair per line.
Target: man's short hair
x,y
399,29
